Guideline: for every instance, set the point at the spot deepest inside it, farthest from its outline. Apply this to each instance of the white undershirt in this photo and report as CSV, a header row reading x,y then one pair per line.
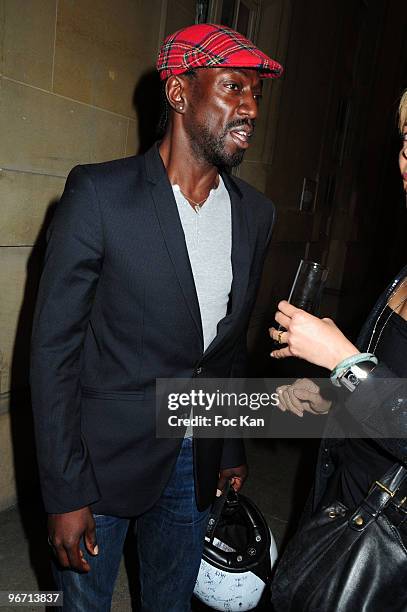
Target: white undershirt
x,y
208,236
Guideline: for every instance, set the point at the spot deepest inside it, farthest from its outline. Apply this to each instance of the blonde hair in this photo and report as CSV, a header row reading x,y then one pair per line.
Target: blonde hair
x,y
403,111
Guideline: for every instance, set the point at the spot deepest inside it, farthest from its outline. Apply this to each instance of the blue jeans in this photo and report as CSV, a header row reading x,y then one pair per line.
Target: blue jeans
x,y
170,539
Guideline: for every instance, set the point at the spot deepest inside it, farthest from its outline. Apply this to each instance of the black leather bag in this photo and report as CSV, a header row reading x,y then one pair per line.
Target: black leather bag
x,y
344,561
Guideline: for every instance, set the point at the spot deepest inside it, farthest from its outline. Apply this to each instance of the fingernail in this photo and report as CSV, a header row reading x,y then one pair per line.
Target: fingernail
x,y
218,492
96,550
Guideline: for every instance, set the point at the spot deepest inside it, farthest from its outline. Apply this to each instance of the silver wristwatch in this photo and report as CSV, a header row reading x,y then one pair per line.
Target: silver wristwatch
x,y
355,374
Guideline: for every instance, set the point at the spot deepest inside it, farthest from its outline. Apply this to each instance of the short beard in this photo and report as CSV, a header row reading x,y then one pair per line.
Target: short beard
x,y
211,149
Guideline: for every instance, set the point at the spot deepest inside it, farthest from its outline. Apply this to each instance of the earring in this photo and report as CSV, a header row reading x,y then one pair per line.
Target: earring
x,y
180,107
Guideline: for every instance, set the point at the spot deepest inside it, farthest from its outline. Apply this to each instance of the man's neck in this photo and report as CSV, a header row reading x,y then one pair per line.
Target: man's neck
x,y
195,176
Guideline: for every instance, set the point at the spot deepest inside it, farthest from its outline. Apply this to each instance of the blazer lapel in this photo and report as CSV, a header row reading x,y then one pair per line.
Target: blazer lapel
x,y
173,233
241,259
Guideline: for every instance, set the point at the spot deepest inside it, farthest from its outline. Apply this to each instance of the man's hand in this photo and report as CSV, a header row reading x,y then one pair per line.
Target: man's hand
x,y
303,395
236,475
65,532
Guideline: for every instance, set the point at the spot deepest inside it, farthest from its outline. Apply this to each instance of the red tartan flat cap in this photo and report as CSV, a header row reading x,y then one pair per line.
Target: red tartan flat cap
x,y
212,46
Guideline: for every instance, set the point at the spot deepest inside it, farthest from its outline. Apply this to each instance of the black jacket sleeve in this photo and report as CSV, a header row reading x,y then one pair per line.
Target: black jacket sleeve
x,y
71,271
379,405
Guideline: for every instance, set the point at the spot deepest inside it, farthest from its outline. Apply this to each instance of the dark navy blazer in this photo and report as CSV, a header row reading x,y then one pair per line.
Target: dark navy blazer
x,y
117,308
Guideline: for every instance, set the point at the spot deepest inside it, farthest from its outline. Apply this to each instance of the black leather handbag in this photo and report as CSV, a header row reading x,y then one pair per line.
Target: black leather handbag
x,y
349,561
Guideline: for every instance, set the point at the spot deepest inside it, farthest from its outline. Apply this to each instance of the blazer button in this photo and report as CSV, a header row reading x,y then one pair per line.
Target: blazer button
x,y
198,371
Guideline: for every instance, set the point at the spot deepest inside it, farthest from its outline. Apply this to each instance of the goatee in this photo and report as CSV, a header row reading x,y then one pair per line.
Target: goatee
x,y
212,149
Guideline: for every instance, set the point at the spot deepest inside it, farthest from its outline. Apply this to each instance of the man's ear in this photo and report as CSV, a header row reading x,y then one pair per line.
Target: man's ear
x,y
176,93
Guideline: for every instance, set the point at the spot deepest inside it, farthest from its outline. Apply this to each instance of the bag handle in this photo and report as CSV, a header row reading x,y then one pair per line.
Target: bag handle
x,y
380,494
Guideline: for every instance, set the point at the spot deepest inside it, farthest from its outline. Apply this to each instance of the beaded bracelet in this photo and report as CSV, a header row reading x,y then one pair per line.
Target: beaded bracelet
x,y
349,362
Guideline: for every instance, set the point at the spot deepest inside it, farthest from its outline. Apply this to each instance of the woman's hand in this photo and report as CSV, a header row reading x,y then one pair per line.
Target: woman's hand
x,y
302,396
318,341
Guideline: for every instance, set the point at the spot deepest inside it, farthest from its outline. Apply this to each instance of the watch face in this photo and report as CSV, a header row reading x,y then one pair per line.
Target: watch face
x,y
349,380
356,373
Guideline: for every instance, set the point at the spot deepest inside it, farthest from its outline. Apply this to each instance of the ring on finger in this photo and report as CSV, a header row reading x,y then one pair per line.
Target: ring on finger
x,y
280,333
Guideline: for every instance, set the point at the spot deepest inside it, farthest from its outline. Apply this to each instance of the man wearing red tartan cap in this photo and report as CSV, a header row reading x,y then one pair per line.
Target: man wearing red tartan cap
x,y
152,269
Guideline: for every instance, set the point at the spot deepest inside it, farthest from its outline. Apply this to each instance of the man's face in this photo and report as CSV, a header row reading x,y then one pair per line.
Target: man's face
x,y
222,108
